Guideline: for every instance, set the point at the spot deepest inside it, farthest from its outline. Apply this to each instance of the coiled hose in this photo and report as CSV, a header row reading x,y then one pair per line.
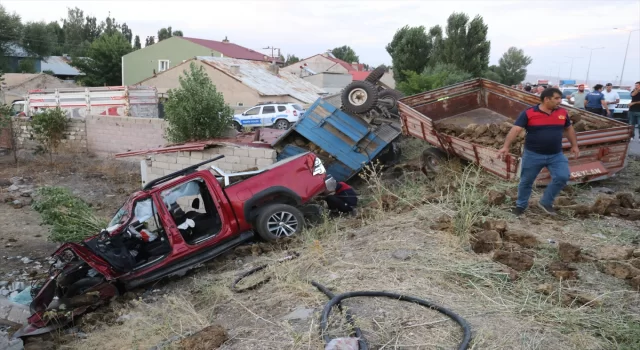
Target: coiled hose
x,y
362,344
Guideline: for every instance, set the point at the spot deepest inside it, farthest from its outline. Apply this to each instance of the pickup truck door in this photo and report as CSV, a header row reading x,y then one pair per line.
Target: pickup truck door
x,y
268,115
251,117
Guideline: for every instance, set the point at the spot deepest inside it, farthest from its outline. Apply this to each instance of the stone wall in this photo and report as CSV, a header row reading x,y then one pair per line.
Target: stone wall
x,y
75,138
111,135
237,159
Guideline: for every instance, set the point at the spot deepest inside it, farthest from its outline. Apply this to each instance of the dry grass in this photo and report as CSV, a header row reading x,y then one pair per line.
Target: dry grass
x,y
357,254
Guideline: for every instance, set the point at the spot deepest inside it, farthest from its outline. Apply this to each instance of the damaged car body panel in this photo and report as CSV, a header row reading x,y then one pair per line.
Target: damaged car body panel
x,y
174,224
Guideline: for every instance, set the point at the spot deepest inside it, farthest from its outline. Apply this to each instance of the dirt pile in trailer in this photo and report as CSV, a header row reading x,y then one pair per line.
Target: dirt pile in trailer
x,y
494,134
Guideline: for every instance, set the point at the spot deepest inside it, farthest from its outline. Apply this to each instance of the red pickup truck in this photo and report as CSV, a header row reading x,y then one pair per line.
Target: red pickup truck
x,y
173,224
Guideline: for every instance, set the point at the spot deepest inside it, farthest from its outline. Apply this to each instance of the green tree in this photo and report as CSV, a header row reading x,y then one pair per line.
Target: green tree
x,y
126,31
136,43
291,59
432,78
166,33
466,45
346,54
58,33
90,29
492,74
38,39
103,64
149,41
76,40
10,30
178,33
49,127
196,110
110,26
410,51
26,65
512,66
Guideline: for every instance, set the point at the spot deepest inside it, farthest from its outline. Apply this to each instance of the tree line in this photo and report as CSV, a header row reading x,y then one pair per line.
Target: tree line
x,y
95,47
428,59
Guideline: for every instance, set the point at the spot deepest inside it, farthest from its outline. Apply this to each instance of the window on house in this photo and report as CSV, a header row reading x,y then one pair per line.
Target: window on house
x,y
240,104
163,65
268,109
282,108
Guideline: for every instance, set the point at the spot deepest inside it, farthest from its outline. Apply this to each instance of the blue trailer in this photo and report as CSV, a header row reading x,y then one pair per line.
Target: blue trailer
x,y
346,142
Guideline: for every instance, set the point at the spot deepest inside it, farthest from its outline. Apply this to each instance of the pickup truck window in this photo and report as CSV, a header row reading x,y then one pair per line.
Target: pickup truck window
x,y
253,111
268,109
282,108
193,210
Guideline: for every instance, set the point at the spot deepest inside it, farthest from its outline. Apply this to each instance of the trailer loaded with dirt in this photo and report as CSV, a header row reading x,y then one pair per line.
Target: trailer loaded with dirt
x,y
470,120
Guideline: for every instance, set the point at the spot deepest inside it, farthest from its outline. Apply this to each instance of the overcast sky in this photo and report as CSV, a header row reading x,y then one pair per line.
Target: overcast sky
x,y
548,31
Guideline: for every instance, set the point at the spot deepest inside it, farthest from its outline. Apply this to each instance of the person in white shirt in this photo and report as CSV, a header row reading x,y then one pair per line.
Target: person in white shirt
x,y
611,98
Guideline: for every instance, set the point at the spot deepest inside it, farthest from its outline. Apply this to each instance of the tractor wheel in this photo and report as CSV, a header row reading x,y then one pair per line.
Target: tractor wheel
x,y
359,97
389,99
375,75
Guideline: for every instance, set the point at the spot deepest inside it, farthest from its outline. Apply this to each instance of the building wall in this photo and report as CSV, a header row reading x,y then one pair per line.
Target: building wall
x,y
317,64
237,159
233,90
140,64
389,80
75,137
330,82
44,81
109,135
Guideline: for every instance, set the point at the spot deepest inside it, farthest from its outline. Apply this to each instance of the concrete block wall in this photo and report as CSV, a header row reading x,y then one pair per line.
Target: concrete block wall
x,y
107,135
237,159
75,137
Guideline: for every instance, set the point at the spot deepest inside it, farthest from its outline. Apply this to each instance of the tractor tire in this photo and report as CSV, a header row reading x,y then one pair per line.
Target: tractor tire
x,y
359,97
432,159
389,99
279,221
375,75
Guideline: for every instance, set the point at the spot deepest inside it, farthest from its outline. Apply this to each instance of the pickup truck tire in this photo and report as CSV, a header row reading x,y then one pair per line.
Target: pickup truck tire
x,y
237,126
389,99
277,221
375,75
359,97
281,124
432,159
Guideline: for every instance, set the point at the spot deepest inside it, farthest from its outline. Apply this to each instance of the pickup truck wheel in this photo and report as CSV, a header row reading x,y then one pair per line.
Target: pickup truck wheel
x,y
359,97
432,159
282,124
278,221
389,99
237,126
375,75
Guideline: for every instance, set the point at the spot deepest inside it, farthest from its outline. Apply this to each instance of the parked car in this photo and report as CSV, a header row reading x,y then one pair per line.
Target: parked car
x,y
277,115
173,224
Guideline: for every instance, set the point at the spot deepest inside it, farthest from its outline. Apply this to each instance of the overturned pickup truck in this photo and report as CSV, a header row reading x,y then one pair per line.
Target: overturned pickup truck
x,y
173,224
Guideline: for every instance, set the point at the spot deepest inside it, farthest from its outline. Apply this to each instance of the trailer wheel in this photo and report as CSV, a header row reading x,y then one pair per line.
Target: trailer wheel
x,y
432,159
359,97
389,99
375,75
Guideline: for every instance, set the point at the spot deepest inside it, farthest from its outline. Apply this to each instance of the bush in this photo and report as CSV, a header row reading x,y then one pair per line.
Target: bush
x,y
196,110
432,78
72,219
49,127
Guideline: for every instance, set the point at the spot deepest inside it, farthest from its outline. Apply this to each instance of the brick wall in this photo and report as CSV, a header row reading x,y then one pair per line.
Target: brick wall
x,y
236,159
75,138
110,135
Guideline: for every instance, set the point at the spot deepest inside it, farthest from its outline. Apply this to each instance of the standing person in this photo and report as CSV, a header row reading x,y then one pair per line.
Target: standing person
x,y
520,87
577,98
634,109
527,88
343,200
612,99
594,101
545,124
539,90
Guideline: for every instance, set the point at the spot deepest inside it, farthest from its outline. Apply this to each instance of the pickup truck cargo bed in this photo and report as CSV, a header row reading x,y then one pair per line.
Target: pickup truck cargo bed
x,y
441,116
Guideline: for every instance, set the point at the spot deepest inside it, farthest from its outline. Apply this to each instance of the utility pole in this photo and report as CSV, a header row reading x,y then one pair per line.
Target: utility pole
x,y
590,54
571,69
559,66
626,50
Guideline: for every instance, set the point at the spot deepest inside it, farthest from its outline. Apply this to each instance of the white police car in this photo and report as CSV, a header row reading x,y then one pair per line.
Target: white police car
x,y
269,114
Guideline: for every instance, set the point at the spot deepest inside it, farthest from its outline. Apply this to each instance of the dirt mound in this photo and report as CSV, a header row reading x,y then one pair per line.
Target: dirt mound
x,y
516,260
211,337
562,271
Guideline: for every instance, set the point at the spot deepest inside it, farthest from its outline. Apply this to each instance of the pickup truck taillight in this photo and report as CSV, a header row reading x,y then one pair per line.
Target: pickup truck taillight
x,y
318,167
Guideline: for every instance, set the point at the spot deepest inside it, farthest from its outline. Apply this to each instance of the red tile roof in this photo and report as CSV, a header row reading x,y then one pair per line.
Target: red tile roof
x,y
231,50
359,75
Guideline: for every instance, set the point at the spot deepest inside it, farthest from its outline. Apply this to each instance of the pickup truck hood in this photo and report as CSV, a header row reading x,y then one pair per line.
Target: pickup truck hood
x,y
89,257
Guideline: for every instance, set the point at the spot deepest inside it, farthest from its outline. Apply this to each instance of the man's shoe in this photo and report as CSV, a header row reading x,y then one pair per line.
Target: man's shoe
x,y
547,209
517,211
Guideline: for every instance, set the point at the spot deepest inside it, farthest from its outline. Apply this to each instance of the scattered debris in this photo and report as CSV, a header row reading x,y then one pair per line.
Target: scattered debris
x,y
524,239
563,201
497,225
402,254
614,253
496,198
569,252
299,314
619,269
518,261
26,260
211,337
562,271
486,241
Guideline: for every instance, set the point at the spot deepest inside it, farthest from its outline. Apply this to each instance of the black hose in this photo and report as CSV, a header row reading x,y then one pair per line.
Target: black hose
x,y
336,299
256,269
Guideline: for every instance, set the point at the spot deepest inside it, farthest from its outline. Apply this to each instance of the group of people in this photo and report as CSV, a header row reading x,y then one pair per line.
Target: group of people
x,y
597,101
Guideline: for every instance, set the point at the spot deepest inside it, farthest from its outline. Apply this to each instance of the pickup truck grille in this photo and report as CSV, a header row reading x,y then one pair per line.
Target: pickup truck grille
x,y
622,106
